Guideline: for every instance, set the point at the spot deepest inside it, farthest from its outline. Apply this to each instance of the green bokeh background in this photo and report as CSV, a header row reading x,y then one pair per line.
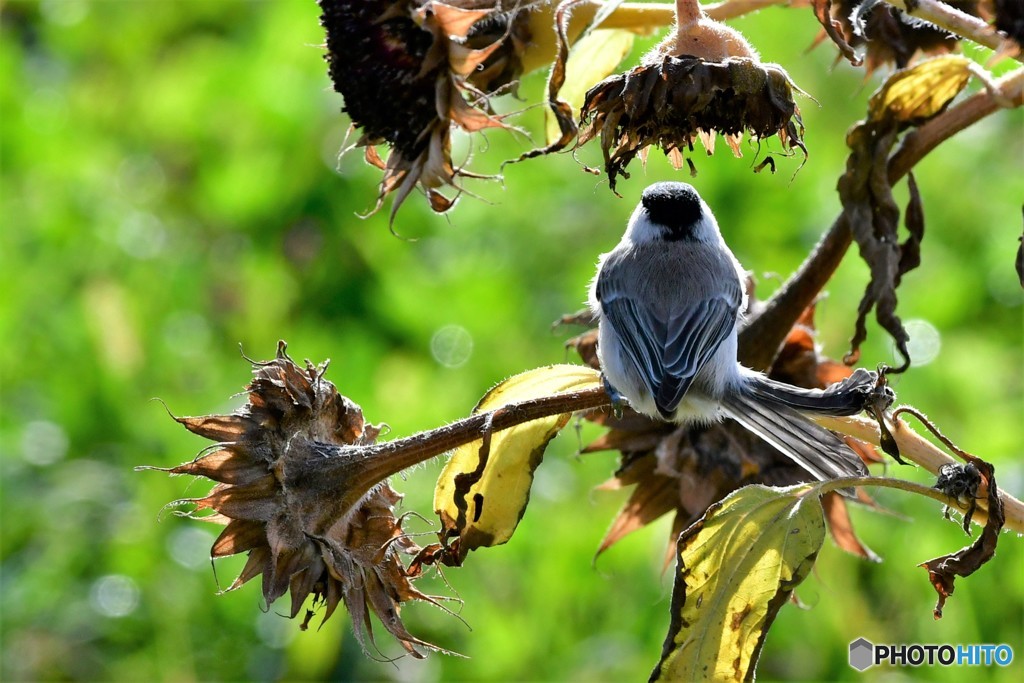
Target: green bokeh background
x,y
170,190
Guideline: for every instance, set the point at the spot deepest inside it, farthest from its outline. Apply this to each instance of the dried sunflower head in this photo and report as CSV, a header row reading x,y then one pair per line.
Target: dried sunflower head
x,y
277,496
888,35
410,70
702,80
684,469
675,101
1007,16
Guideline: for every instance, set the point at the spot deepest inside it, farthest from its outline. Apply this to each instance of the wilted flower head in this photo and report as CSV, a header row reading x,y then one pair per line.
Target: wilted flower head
x,y
1007,16
672,103
410,70
888,35
704,79
684,469
315,520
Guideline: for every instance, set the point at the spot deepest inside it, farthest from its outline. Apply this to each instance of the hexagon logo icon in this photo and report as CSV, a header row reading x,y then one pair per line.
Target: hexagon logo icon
x,y
862,654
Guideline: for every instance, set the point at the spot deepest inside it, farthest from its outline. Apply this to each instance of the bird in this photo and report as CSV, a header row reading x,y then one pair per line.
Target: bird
x,y
668,300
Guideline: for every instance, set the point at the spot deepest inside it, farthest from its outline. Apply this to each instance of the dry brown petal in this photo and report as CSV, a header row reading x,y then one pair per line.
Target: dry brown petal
x,y
840,527
653,496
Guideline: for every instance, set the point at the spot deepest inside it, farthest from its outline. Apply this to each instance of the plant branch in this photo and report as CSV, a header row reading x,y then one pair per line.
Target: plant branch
x,y
919,450
647,17
391,457
1007,91
764,335
899,484
952,20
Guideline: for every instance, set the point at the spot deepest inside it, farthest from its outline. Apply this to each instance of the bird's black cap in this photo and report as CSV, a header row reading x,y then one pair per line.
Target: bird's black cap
x,y
674,206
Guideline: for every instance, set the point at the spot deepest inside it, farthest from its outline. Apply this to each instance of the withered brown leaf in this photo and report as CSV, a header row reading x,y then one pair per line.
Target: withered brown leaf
x,y
908,98
943,570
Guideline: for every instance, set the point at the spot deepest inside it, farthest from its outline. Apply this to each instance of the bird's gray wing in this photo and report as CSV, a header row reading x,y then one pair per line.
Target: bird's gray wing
x,y
667,345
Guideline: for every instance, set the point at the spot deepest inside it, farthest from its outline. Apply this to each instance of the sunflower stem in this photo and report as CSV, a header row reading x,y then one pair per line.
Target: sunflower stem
x,y
391,457
647,17
917,449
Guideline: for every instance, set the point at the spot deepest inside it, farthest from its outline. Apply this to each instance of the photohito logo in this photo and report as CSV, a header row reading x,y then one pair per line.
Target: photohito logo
x,y
865,654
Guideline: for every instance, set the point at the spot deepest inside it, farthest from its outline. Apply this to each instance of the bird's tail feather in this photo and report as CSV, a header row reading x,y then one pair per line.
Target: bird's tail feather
x,y
847,397
813,447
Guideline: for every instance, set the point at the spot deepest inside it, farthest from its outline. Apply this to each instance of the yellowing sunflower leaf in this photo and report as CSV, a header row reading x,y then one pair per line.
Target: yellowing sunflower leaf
x,y
593,57
916,94
483,490
738,565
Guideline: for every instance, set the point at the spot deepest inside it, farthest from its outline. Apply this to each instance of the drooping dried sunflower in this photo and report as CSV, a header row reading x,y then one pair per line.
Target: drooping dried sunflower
x,y
702,80
686,469
410,70
273,465
1007,16
888,35
681,99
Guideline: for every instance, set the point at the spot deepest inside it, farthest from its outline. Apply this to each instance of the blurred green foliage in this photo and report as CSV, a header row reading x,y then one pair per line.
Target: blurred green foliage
x,y
170,191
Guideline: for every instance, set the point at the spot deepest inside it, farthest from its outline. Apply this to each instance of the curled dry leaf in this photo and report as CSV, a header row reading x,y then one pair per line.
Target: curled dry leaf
x,y
908,98
277,463
410,70
942,571
677,100
826,11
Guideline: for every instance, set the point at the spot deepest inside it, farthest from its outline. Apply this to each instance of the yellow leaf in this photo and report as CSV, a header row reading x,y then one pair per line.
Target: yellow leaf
x,y
482,492
919,93
738,565
593,58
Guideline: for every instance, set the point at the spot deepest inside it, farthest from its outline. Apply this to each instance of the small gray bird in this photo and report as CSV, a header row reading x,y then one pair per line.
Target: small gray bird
x,y
668,300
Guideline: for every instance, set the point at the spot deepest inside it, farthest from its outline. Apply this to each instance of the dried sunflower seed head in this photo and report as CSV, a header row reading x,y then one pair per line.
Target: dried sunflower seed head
x,y
1007,16
299,491
683,470
410,70
672,102
887,35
